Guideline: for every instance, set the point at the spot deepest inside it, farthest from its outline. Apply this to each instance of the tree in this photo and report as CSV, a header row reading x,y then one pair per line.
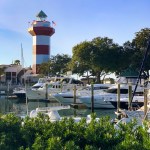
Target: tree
x,y
59,63
107,56
45,68
125,56
140,43
99,56
2,71
17,62
56,65
81,59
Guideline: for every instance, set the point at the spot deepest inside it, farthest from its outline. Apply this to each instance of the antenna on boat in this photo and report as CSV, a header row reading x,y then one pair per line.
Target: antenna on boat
x,y
142,66
22,63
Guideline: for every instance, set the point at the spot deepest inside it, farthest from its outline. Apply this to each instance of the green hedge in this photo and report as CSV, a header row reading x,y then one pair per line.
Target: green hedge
x,y
40,134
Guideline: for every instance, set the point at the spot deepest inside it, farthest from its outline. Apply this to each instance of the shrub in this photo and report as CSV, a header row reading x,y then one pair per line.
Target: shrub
x,y
41,134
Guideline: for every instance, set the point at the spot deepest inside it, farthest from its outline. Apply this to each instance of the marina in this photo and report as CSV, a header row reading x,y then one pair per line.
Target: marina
x,y
103,99
20,108
49,81
82,99
74,75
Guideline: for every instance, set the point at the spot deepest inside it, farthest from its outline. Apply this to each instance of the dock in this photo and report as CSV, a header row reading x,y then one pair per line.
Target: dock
x,y
78,106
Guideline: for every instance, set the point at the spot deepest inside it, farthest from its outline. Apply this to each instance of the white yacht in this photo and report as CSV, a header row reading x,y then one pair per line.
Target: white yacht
x,y
137,102
47,90
102,100
67,98
20,91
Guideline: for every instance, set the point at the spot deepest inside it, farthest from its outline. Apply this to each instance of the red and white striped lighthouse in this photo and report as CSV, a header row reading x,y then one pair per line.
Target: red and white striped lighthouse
x,y
41,32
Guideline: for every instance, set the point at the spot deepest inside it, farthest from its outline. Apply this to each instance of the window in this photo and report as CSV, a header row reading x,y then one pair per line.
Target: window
x,y
114,91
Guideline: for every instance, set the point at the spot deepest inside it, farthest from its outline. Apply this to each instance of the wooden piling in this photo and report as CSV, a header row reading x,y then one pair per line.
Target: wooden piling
x,y
145,103
130,96
61,87
46,91
92,98
118,98
27,108
74,94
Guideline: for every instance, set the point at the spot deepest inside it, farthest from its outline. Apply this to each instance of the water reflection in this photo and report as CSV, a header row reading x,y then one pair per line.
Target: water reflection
x,y
20,108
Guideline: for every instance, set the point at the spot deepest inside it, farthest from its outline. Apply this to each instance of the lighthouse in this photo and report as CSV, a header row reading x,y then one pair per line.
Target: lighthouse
x,y
41,32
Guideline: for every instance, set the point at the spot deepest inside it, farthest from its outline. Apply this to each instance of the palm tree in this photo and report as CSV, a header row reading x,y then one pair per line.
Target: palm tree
x,y
17,62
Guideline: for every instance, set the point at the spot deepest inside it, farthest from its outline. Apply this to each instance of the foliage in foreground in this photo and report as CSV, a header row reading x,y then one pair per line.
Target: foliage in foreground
x,y
40,134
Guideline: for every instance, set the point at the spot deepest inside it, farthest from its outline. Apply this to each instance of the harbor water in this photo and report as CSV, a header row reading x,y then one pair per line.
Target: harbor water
x,y
23,108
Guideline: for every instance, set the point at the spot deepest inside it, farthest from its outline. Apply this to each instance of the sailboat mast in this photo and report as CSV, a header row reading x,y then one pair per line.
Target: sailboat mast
x,y
22,59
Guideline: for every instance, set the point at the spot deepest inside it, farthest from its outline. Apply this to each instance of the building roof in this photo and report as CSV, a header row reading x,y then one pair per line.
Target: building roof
x,y
3,66
129,73
14,68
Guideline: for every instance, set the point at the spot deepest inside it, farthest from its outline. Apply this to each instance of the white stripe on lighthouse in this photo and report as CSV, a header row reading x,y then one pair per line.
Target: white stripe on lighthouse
x,y
41,40
39,59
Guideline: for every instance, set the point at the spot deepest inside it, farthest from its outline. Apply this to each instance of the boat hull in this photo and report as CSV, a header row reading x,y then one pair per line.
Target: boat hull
x,y
137,102
20,95
66,99
98,103
34,94
124,105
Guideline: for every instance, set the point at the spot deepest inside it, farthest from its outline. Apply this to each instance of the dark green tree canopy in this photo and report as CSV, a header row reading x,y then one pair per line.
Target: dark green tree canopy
x,y
17,62
99,56
56,65
140,43
81,59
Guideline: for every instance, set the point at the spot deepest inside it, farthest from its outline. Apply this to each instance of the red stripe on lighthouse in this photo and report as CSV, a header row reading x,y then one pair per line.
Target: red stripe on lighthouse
x,y
41,49
41,31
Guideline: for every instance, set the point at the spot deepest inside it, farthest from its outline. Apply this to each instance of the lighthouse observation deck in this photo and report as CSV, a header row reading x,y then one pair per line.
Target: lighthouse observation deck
x,y
41,24
41,28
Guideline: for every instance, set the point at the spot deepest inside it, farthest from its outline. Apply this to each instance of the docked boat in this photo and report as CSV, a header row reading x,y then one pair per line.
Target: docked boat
x,y
67,98
20,91
47,90
138,101
102,100
53,114
129,115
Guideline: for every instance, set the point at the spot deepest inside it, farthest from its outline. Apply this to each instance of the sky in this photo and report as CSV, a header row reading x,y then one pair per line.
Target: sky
x,y
76,21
